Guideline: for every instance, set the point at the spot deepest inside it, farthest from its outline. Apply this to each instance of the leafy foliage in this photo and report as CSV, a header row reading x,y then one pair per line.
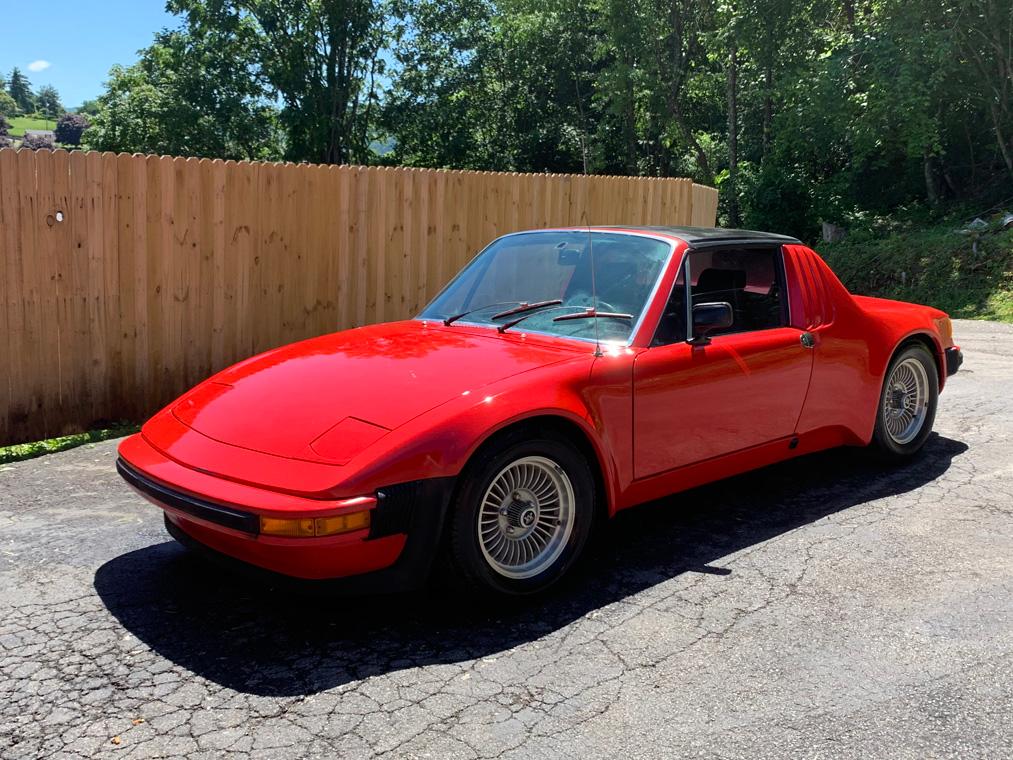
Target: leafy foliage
x,y
70,127
938,265
189,94
799,111
89,108
7,105
321,58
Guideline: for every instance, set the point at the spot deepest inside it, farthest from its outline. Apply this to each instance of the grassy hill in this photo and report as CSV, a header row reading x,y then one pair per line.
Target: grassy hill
x,y
967,275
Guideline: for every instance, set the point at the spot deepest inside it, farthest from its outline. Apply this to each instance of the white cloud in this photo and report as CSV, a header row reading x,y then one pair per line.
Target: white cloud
x,y
39,65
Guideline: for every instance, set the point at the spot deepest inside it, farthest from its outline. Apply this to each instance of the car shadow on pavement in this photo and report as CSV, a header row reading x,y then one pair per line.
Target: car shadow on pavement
x,y
257,640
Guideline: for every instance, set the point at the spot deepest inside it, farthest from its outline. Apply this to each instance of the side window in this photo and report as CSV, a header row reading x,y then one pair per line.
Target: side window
x,y
747,279
672,326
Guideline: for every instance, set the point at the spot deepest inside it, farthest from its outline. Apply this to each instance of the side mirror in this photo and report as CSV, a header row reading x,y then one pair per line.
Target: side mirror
x,y
708,317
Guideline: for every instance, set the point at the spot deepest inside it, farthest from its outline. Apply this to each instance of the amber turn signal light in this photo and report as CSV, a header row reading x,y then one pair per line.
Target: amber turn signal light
x,y
309,527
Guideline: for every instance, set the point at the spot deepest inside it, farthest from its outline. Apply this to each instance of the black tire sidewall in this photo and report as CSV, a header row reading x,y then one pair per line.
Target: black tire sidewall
x,y
885,445
466,554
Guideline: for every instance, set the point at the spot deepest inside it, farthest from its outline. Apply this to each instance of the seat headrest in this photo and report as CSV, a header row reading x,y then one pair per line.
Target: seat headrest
x,y
712,280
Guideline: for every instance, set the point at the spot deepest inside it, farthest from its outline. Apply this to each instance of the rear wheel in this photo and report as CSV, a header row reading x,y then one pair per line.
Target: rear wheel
x,y
522,516
907,403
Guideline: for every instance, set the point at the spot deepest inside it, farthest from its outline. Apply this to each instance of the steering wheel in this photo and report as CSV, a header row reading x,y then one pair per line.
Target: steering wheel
x,y
585,300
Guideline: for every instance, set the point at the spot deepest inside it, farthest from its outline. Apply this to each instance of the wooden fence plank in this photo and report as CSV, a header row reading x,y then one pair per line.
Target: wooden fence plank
x,y
11,305
165,270
39,288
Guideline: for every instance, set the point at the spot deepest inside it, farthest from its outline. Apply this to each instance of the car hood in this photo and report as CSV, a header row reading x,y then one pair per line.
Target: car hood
x,y
328,398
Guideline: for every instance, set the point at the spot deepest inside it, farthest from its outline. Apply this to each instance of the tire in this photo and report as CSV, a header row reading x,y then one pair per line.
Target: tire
x,y
907,404
519,546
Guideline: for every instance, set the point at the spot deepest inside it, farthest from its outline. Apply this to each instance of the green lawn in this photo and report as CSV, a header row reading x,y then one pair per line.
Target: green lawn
x,y
20,123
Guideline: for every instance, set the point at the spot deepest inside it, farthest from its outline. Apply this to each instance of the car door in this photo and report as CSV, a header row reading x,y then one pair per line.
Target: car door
x,y
744,386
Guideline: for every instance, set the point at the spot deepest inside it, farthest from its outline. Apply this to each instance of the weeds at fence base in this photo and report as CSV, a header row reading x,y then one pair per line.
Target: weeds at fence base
x,y
21,451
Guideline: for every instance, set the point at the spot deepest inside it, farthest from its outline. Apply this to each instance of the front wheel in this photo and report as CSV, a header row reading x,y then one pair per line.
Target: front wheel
x,y
522,516
907,404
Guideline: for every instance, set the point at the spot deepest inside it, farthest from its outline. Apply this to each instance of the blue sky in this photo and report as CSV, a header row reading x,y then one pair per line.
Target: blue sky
x,y
80,41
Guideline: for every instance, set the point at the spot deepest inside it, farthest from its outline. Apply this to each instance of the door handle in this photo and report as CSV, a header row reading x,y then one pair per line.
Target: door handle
x,y
807,339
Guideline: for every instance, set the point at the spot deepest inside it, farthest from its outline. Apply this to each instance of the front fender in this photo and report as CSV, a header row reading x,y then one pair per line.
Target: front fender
x,y
441,442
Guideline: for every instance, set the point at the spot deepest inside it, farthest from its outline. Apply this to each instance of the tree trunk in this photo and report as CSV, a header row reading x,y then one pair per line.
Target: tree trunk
x,y
631,130
1000,138
698,152
733,137
768,106
931,190
677,64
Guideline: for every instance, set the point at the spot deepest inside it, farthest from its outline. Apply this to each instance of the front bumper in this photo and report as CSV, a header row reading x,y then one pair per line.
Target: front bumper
x,y
394,553
954,358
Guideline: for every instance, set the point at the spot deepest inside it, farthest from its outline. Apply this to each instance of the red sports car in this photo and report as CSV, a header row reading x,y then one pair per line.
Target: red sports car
x,y
562,376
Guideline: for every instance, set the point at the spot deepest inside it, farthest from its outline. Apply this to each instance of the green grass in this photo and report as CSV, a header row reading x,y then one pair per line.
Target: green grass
x,y
933,265
21,451
20,123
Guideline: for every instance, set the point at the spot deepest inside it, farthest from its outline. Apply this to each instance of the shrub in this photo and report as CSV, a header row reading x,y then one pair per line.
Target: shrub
x,y
5,140
70,127
38,142
8,107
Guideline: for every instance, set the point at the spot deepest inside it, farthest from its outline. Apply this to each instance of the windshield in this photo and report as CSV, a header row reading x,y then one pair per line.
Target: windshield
x,y
556,266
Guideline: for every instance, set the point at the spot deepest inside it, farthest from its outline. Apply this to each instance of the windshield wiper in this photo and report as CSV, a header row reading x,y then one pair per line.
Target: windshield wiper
x,y
522,306
507,325
453,318
592,314
525,306
586,314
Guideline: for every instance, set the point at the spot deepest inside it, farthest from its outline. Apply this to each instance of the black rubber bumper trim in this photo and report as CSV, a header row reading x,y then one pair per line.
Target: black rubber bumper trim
x,y
417,509
246,522
954,358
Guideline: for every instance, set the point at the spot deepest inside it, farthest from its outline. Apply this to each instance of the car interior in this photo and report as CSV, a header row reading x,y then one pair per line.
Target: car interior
x,y
747,279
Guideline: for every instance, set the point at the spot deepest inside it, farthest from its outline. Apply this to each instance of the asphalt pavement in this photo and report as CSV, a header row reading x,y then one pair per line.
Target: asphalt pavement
x,y
824,608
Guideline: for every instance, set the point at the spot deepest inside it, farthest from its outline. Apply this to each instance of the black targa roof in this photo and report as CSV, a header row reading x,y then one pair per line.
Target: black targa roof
x,y
702,237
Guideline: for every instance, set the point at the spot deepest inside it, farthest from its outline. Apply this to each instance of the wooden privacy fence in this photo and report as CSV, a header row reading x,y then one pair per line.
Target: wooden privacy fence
x,y
124,279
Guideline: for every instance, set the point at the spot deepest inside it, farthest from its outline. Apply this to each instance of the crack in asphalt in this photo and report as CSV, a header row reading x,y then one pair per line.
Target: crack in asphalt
x,y
823,607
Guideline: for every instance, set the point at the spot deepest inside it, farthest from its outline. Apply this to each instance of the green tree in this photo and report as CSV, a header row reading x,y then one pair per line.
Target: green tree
x,y
89,107
507,87
20,89
189,94
984,37
321,58
799,110
47,102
